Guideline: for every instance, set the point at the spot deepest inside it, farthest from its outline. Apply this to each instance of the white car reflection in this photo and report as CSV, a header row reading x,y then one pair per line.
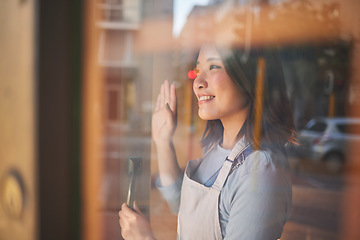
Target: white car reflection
x,y
327,139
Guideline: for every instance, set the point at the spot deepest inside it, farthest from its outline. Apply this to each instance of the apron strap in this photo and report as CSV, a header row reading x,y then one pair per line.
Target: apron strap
x,y
228,165
221,178
237,150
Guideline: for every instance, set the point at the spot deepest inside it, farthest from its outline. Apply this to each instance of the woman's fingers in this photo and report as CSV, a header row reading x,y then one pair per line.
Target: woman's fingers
x,y
134,224
123,222
167,95
162,95
126,218
137,209
127,211
158,104
173,100
167,92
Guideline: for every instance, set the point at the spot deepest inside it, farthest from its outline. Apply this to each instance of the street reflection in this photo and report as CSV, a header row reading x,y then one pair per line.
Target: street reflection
x,y
325,141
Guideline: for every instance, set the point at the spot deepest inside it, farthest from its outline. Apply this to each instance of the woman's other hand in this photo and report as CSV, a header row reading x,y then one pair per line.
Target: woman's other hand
x,y
134,225
164,119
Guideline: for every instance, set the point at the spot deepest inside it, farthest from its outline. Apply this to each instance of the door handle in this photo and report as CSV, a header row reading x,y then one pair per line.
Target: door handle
x,y
13,194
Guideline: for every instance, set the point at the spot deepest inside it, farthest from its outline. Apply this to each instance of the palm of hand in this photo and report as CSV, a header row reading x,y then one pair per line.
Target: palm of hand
x,y
163,125
164,119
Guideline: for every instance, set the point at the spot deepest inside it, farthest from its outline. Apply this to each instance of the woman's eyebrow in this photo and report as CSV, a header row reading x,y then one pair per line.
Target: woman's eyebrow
x,y
213,59
209,60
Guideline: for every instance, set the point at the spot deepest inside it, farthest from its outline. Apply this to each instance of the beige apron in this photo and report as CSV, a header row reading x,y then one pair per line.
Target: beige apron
x,y
199,212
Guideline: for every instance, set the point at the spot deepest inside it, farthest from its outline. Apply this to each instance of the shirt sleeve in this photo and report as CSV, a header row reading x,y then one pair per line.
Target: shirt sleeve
x,y
171,193
259,207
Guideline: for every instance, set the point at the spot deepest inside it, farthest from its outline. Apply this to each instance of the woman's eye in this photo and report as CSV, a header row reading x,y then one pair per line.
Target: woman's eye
x,y
214,67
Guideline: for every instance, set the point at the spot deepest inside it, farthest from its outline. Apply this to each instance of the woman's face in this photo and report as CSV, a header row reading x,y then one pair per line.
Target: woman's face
x,y
218,96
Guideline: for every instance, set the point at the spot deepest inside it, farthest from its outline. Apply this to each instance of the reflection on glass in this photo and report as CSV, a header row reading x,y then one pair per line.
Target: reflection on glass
x,y
142,43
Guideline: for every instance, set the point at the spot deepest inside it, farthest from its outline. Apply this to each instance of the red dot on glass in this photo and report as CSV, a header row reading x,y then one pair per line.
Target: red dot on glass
x,y
192,74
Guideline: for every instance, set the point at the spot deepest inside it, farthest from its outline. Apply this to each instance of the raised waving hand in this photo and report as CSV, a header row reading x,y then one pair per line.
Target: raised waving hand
x,y
164,123
164,119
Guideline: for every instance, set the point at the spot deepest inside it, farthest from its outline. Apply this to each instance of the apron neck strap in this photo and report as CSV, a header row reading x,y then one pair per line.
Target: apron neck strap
x,y
226,168
237,150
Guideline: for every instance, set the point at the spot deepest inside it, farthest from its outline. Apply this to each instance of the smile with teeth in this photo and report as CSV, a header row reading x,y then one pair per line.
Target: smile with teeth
x,y
202,98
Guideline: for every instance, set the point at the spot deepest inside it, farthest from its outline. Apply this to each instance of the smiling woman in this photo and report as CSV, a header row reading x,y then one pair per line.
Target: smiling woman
x,y
273,101
242,179
218,96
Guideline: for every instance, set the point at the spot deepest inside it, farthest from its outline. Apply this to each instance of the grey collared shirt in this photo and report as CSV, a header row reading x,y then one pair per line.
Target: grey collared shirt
x,y
255,201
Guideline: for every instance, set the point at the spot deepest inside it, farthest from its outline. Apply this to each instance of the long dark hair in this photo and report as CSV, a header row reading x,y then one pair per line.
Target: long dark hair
x,y
277,126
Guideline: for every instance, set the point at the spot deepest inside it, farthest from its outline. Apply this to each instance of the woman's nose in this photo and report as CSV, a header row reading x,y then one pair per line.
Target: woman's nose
x,y
200,81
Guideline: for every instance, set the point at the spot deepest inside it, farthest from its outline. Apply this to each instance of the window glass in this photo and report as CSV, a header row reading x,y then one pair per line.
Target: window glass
x,y
351,128
316,126
312,45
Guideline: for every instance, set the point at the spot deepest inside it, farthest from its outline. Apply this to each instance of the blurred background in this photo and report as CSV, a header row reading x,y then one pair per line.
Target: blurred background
x,y
78,81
